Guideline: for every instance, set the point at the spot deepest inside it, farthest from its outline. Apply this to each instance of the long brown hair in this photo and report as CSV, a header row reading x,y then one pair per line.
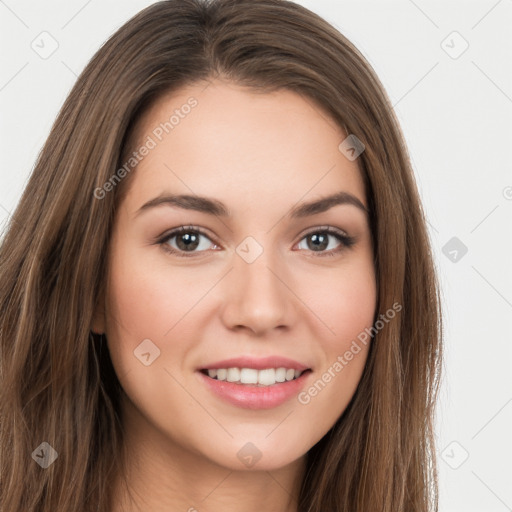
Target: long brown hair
x,y
57,382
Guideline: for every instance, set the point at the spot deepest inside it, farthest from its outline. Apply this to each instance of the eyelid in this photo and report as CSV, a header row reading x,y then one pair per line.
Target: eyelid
x,y
325,229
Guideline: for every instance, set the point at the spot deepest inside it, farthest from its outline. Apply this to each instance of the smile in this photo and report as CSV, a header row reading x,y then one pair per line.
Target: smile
x,y
265,377
263,391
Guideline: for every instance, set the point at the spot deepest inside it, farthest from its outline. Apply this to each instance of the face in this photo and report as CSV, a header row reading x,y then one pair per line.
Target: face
x,y
254,280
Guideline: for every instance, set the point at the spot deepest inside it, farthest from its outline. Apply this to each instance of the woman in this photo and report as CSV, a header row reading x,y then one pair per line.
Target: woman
x,y
217,288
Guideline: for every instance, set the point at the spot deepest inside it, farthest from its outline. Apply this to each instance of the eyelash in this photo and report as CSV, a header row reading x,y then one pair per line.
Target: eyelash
x,y
345,240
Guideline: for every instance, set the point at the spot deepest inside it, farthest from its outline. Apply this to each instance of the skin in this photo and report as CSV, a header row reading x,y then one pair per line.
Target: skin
x,y
261,155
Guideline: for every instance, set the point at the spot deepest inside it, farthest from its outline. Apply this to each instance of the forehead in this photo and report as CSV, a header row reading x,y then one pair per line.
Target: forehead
x,y
221,139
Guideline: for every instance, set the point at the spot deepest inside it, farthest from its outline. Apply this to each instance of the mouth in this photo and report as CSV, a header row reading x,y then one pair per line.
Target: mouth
x,y
256,389
253,377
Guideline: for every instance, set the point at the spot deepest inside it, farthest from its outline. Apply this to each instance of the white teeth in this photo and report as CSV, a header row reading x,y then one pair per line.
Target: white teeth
x,y
266,377
233,375
249,376
280,374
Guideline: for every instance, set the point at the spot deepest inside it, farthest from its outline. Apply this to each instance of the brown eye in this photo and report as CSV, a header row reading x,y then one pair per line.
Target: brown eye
x,y
318,241
184,241
187,241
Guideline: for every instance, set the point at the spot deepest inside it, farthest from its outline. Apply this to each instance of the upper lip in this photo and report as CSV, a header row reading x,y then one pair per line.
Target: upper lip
x,y
256,363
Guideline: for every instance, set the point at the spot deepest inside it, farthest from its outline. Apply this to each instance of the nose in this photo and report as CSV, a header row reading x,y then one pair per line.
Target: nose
x,y
257,297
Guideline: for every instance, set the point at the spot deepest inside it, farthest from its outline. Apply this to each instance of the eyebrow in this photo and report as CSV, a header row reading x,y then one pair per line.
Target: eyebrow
x,y
215,207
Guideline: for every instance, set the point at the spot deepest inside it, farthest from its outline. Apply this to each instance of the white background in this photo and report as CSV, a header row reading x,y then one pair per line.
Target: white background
x,y
456,114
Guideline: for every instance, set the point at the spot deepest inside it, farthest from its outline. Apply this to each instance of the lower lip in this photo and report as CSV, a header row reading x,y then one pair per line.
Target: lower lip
x,y
254,397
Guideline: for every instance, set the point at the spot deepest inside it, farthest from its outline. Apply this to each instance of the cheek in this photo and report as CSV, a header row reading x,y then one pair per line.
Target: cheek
x,y
140,307
354,305
347,306
143,307
343,300
145,302
148,300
